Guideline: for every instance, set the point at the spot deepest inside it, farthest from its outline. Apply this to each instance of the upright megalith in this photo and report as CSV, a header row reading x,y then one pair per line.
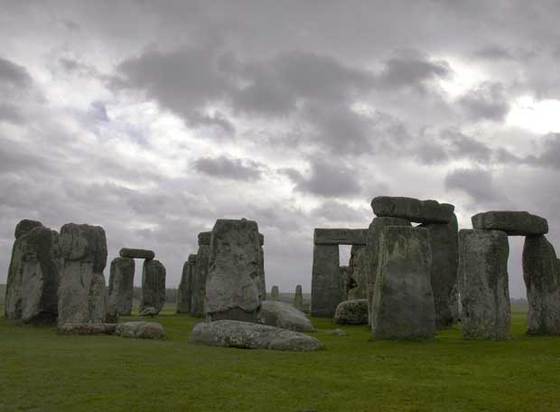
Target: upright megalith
x,y
358,271
541,272
403,301
298,298
275,293
414,210
232,290
184,291
483,284
373,241
121,285
33,275
199,273
153,285
261,283
513,223
82,291
444,242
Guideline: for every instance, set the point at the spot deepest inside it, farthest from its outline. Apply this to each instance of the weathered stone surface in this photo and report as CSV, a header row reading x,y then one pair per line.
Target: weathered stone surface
x,y
339,236
82,293
372,252
260,280
33,276
541,273
352,312
204,238
121,285
327,283
483,284
298,298
414,210
403,301
140,330
247,335
149,311
444,243
231,288
153,285
198,283
513,223
284,315
274,293
87,328
184,291
358,265
137,253
25,226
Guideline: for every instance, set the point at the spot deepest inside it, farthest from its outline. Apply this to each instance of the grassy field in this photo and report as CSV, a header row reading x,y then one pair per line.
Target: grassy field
x,y
40,370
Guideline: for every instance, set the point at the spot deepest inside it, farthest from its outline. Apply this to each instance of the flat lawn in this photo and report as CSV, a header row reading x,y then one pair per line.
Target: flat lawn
x,y
40,370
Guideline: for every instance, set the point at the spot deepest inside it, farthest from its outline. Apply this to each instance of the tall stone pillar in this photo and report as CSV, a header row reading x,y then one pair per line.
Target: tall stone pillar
x,y
327,283
184,291
483,284
153,285
298,298
121,285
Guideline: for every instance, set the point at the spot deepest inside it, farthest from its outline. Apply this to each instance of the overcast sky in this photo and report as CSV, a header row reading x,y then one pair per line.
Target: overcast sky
x,y
153,119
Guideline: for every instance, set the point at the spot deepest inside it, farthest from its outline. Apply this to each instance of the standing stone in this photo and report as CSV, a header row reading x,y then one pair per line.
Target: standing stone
x,y
261,283
358,273
327,284
275,293
372,252
403,301
153,285
121,285
200,274
231,288
82,291
184,291
444,242
298,298
541,273
198,287
33,275
483,284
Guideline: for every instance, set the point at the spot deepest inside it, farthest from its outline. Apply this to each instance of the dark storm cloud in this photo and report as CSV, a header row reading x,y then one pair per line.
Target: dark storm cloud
x,y
487,102
224,167
13,75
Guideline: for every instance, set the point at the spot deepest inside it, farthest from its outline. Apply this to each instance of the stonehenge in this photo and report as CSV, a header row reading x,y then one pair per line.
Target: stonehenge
x,y
153,285
274,293
513,223
184,291
121,278
298,298
352,312
137,253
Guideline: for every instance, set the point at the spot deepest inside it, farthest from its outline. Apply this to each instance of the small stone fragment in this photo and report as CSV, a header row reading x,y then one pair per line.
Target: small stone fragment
x,y
352,312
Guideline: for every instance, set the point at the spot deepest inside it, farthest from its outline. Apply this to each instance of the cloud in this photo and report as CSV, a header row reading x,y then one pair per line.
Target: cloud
x,y
227,168
477,183
487,102
13,75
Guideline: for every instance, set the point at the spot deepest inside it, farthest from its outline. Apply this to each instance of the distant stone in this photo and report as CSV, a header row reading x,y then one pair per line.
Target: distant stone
x,y
232,291
284,315
403,301
275,293
513,223
184,291
247,335
337,332
25,226
140,330
153,285
483,284
137,253
149,311
87,328
298,298
352,312
121,285
414,210
82,292
541,273
33,277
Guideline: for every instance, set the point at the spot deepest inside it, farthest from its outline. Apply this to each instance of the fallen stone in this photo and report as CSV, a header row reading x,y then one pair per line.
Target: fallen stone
x,y
298,298
121,285
274,293
541,273
87,328
414,210
25,226
483,284
403,301
33,276
337,332
149,311
352,312
513,223
231,288
82,292
140,330
247,335
137,253
283,315
153,285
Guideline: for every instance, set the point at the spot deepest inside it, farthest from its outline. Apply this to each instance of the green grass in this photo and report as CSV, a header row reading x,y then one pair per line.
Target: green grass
x,y
40,370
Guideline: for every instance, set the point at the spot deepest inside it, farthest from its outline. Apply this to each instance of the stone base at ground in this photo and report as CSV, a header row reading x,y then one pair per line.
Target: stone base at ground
x,y
352,312
245,335
284,315
87,328
140,330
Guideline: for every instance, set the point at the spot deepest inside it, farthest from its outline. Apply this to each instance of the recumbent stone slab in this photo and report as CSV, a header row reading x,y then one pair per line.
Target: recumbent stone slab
x,y
121,285
284,315
483,284
137,253
414,210
403,301
513,223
